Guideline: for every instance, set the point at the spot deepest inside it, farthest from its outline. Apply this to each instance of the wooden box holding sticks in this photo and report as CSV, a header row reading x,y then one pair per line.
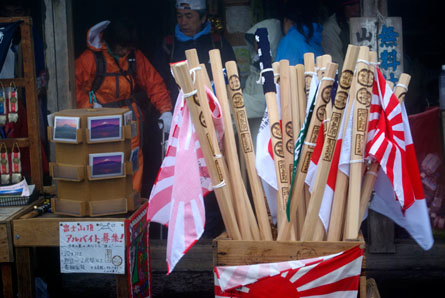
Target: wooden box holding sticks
x,y
228,252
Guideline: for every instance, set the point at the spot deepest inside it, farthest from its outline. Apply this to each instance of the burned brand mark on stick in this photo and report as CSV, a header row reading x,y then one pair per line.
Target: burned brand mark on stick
x,y
278,149
364,97
346,79
234,83
238,100
242,120
326,94
282,170
275,130
340,100
365,77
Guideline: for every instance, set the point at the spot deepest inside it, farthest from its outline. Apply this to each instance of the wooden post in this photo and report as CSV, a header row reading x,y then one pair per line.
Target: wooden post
x,y
25,275
6,273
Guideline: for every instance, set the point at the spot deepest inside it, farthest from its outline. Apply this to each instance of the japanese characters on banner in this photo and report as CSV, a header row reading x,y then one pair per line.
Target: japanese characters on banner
x,y
92,247
383,35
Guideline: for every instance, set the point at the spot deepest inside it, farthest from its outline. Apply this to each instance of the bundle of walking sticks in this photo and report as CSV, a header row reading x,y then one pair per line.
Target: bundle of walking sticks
x,y
307,113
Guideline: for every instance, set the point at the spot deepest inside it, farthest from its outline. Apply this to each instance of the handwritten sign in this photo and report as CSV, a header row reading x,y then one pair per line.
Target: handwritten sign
x,y
92,247
384,36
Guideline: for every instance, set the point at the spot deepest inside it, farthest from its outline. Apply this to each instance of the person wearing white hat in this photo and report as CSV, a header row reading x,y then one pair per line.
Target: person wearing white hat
x,y
192,31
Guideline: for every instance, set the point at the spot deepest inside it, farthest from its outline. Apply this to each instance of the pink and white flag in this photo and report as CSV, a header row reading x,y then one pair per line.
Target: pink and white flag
x,y
176,199
336,275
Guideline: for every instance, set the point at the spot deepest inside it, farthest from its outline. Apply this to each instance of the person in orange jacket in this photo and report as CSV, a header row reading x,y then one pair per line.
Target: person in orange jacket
x,y
108,72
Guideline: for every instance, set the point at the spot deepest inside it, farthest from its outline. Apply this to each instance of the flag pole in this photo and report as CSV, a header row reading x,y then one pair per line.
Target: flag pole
x,y
362,104
301,99
243,209
332,128
286,115
295,105
345,89
198,105
267,78
307,148
245,139
373,168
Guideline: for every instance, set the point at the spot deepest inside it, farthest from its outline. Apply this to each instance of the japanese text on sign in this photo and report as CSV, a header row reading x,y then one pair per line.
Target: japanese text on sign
x,y
92,247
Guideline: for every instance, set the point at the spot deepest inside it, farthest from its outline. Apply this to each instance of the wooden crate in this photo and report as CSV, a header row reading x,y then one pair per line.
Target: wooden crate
x,y
228,252
7,215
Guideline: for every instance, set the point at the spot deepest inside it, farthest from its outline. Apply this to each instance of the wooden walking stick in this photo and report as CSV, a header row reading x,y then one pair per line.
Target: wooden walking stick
x,y
245,140
294,104
332,128
373,168
309,71
196,99
267,79
286,116
301,94
362,103
243,209
308,148
323,98
276,72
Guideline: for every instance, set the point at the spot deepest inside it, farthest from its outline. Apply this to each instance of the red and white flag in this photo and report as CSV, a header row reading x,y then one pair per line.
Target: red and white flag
x,y
328,195
336,275
176,199
264,160
393,148
398,190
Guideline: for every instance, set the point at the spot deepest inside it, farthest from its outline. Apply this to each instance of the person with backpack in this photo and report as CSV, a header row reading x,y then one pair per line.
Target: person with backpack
x,y
111,71
193,31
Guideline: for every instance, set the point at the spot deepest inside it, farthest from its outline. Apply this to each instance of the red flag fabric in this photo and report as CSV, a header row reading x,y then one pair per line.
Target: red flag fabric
x,y
336,275
392,146
398,190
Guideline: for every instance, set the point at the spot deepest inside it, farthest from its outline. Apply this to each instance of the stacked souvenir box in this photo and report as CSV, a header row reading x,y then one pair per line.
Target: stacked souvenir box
x,y
94,161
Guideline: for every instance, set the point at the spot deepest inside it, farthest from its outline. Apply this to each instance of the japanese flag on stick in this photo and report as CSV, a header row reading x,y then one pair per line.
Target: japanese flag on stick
x,y
335,275
177,196
398,190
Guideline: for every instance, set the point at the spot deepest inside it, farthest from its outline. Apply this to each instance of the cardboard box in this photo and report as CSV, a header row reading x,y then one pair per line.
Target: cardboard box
x,y
79,193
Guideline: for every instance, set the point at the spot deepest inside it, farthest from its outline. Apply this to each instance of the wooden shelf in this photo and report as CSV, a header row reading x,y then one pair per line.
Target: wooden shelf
x,y
28,83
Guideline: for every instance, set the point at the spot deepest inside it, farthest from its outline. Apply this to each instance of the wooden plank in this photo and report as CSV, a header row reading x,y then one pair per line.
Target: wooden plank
x,y
64,50
25,276
363,32
198,259
19,82
381,233
390,48
5,250
44,230
121,285
29,70
22,142
6,273
232,252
